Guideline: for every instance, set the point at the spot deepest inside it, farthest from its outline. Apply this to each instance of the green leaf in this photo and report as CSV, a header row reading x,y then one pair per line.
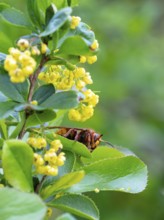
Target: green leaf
x,y
14,16
17,160
3,98
2,58
33,11
75,147
77,204
63,183
15,91
3,129
6,108
50,12
30,107
56,21
40,117
5,44
61,100
126,174
78,41
18,205
43,93
101,153
74,45
66,168
19,126
66,216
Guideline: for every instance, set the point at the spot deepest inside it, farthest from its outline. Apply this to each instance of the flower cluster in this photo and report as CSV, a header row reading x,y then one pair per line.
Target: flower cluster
x,y
37,143
64,79
19,63
90,59
85,109
48,163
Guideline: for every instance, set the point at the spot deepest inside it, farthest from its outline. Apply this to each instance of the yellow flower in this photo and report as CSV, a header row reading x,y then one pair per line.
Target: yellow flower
x,y
19,65
43,48
49,170
23,44
75,22
96,190
38,160
38,143
61,159
90,97
87,112
10,63
74,115
95,45
91,59
35,51
56,145
83,59
34,102
41,142
87,78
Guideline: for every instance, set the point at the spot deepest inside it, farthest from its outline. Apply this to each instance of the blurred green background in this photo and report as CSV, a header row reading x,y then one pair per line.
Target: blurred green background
x,y
129,77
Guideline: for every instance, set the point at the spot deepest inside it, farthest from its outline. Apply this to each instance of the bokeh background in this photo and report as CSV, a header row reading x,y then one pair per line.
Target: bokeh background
x,y
129,77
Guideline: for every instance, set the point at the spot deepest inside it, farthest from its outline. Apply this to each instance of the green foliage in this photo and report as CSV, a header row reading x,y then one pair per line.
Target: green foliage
x,y
17,159
37,159
56,21
18,92
61,100
20,205
77,204
14,16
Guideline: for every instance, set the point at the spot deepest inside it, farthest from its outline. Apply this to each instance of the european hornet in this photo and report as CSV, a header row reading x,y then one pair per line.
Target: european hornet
x,y
86,136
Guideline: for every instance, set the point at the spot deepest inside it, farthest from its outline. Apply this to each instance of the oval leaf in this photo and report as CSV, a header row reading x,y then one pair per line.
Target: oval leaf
x,y
6,108
57,21
20,205
127,174
61,100
39,118
14,16
15,91
77,204
103,152
17,160
75,45
43,92
63,183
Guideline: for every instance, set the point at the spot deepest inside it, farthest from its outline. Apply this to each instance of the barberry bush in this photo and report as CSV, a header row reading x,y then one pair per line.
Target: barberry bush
x,y
42,78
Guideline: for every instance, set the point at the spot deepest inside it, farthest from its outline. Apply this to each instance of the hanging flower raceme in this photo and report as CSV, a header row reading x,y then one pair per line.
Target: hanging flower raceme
x,y
85,109
48,161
